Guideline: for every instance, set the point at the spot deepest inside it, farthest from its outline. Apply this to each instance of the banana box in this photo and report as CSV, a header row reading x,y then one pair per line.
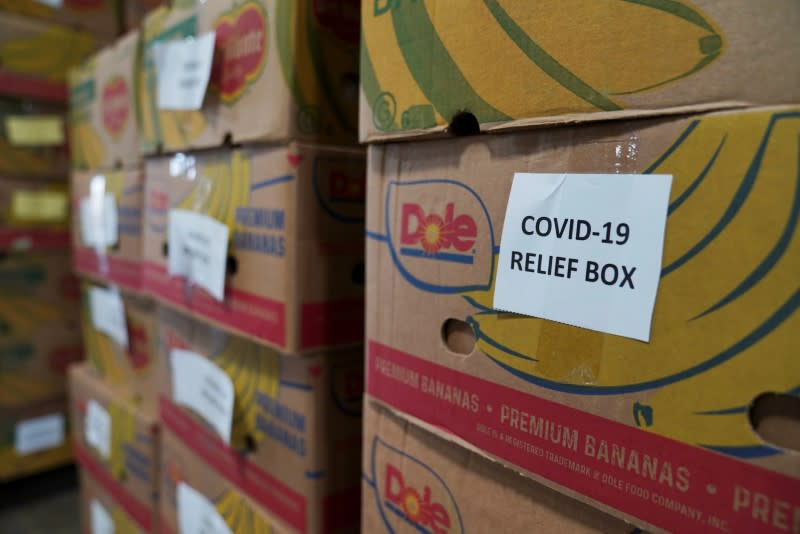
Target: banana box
x,y
36,55
135,11
116,443
435,65
294,265
285,69
38,150
659,431
100,17
129,367
283,429
102,100
194,494
105,510
415,481
107,240
34,437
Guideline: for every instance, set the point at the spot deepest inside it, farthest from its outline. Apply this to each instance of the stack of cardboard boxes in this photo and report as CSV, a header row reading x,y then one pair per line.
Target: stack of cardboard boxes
x,y
234,401
483,420
39,331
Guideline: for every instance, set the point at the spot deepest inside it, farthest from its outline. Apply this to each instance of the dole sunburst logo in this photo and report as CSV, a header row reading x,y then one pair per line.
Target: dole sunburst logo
x,y
115,105
241,38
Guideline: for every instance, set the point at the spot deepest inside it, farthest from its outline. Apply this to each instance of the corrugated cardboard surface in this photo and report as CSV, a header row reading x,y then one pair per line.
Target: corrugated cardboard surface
x,y
415,481
724,325
295,218
295,441
103,107
292,75
513,64
131,470
131,371
96,16
122,262
241,513
92,490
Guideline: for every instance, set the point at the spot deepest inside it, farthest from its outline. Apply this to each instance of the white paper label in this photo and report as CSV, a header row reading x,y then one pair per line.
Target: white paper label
x,y
183,68
199,384
102,523
584,249
99,220
197,514
97,427
198,249
39,433
108,314
52,3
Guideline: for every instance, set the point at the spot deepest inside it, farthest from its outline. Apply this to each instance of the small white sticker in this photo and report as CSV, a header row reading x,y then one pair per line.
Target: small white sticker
x,y
52,3
99,222
198,250
584,249
39,433
101,520
97,427
199,384
197,514
183,68
108,314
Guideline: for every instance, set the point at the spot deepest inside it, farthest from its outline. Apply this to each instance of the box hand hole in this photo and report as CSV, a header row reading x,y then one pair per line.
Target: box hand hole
x,y
775,417
458,336
463,124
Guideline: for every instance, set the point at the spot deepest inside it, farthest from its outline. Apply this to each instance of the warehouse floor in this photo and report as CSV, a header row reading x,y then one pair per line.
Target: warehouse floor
x,y
41,504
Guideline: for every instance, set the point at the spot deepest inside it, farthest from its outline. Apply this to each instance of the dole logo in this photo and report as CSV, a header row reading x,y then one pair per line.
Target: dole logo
x,y
413,498
340,185
115,105
430,223
241,42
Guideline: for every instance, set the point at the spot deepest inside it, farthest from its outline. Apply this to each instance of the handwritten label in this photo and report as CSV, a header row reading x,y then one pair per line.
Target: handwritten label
x,y
198,250
97,428
39,433
197,514
183,68
99,220
108,314
101,520
584,249
200,385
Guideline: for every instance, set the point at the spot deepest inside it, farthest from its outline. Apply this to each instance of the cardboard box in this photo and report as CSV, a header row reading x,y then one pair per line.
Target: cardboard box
x,y
130,370
120,263
34,204
103,113
238,510
283,70
135,11
34,437
100,17
116,443
296,433
657,431
415,481
39,333
36,55
24,161
103,505
492,65
295,219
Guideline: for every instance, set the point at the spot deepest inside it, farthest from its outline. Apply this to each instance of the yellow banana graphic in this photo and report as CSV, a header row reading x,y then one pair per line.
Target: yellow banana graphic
x,y
49,53
123,524
239,515
123,430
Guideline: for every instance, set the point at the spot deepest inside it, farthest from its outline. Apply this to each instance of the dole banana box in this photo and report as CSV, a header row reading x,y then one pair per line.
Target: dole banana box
x,y
99,17
415,481
36,55
102,100
290,436
192,490
98,199
101,508
33,437
116,443
36,154
658,431
295,257
427,65
283,69
130,369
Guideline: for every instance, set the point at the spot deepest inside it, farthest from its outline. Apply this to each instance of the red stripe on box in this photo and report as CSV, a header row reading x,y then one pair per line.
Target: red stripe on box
x,y
336,322
125,273
271,493
267,324
138,511
19,85
34,239
720,493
